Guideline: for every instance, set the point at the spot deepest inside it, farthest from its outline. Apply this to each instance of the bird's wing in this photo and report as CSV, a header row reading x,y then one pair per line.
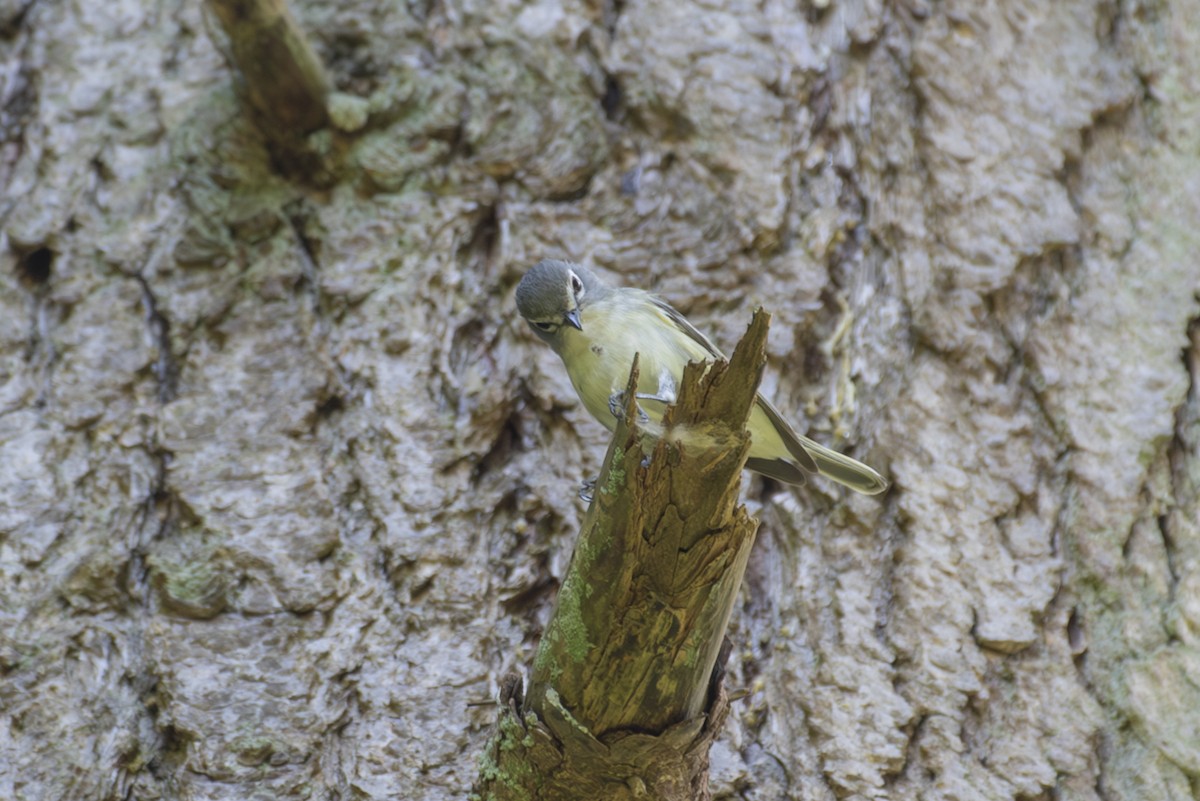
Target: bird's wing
x,y
787,436
680,322
806,454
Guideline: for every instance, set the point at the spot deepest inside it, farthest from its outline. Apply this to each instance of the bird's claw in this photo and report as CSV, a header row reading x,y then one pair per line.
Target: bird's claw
x,y
616,405
587,490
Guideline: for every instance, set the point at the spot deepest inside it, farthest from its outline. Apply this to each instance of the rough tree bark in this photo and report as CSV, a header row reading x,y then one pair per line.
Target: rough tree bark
x,y
285,488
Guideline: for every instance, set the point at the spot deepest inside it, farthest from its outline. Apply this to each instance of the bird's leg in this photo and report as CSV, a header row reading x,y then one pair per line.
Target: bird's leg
x,y
666,390
587,490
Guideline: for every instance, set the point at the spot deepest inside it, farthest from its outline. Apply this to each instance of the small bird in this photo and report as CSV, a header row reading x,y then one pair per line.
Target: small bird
x,y
597,329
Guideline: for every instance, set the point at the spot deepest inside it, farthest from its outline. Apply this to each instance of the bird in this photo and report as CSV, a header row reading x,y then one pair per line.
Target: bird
x,y
598,329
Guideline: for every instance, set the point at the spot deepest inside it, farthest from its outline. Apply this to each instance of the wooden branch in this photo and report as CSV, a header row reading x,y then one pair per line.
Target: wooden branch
x,y
285,82
625,698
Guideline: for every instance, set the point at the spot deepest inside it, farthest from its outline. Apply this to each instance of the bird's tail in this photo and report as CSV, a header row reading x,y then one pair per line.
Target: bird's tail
x,y
844,470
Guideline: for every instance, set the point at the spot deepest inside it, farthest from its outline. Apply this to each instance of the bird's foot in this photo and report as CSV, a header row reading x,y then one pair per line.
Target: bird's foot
x,y
616,405
587,490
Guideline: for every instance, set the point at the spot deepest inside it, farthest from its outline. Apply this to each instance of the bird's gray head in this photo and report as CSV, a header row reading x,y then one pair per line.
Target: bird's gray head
x,y
552,294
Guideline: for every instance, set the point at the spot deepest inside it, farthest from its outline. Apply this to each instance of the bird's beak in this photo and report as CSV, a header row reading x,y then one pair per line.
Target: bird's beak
x,y
572,318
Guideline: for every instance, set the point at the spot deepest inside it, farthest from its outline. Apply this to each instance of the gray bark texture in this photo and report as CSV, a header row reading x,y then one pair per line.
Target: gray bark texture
x,y
286,487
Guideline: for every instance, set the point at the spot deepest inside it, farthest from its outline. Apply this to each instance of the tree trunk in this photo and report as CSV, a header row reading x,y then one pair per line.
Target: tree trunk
x,y
286,487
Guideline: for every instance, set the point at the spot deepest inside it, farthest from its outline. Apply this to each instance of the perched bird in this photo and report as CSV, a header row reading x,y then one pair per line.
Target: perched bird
x,y
597,329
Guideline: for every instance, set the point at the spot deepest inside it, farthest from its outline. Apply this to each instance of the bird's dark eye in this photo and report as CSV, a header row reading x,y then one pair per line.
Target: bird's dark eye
x,y
545,326
576,284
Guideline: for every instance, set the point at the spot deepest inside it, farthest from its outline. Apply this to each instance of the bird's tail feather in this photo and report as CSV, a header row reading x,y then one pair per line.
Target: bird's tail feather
x,y
844,470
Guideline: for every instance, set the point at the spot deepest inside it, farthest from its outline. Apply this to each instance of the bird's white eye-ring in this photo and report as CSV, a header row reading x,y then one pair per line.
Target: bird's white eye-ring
x,y
576,285
545,326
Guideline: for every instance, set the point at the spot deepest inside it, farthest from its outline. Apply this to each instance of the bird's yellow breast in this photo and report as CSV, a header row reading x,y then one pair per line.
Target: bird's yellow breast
x,y
615,329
